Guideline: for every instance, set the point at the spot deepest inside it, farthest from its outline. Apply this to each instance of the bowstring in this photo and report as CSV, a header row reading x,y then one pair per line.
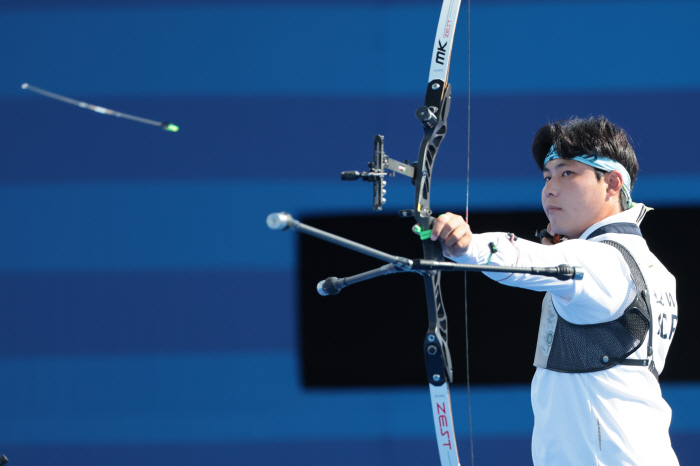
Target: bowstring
x,y
466,212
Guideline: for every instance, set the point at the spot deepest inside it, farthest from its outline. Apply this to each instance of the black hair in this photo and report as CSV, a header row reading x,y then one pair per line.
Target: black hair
x,y
592,136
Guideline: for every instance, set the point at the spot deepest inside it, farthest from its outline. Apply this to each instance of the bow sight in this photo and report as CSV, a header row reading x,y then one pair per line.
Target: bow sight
x,y
377,172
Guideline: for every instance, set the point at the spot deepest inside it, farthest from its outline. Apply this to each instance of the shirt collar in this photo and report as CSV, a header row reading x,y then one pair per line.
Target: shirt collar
x,y
634,215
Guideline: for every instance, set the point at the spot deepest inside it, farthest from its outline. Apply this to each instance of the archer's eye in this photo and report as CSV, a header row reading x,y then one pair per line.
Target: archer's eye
x,y
546,179
567,173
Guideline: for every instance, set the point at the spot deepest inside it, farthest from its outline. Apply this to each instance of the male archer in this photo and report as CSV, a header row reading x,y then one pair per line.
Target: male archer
x,y
602,340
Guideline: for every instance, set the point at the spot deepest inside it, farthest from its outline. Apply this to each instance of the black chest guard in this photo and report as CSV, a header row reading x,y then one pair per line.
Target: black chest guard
x,y
596,347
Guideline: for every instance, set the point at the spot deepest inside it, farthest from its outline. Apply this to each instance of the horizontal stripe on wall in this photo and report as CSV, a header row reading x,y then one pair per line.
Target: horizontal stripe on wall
x,y
349,49
371,452
130,313
494,451
49,4
217,226
281,138
241,397
217,397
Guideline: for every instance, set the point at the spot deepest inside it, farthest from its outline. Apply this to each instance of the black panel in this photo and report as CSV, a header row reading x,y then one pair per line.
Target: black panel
x,y
371,334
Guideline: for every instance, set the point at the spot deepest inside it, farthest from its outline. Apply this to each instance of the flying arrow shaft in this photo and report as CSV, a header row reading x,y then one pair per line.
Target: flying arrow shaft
x,y
96,108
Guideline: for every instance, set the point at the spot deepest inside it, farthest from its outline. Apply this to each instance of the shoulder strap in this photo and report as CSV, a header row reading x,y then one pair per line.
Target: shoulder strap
x,y
643,292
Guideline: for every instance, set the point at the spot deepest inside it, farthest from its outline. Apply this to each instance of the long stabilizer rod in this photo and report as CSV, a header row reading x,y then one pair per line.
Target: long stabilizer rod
x,y
167,126
284,221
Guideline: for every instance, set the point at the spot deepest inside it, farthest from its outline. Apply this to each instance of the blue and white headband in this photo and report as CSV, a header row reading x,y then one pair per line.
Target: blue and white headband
x,y
602,163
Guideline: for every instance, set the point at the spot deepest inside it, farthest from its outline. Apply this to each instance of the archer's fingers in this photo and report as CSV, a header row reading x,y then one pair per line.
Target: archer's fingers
x,y
439,225
445,225
461,230
458,243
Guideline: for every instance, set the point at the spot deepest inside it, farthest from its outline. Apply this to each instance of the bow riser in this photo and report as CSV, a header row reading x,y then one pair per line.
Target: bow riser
x,y
434,119
438,362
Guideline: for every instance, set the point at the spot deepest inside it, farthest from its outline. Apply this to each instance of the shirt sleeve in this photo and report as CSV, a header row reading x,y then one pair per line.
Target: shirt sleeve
x,y
599,297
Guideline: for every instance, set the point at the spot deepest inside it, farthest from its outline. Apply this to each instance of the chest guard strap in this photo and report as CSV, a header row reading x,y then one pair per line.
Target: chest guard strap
x,y
596,347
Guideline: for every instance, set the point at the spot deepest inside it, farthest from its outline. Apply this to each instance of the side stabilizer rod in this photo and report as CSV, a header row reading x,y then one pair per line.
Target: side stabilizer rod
x,y
333,285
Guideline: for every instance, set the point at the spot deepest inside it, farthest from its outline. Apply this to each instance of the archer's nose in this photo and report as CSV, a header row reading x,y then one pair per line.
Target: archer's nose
x,y
550,190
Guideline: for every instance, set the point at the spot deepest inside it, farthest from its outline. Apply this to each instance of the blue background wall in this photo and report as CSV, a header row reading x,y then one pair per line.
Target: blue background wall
x,y
148,316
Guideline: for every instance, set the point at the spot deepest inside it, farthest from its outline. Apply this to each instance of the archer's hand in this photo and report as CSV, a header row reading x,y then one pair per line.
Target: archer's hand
x,y
548,240
454,234
553,237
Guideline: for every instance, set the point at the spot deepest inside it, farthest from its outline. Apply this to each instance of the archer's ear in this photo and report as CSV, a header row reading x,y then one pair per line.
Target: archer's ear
x,y
614,180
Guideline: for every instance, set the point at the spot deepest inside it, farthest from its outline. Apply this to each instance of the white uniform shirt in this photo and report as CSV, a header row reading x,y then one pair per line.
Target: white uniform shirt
x,y
613,417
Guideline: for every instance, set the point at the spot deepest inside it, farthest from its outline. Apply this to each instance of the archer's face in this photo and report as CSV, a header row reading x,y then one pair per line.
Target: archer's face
x,y
573,198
